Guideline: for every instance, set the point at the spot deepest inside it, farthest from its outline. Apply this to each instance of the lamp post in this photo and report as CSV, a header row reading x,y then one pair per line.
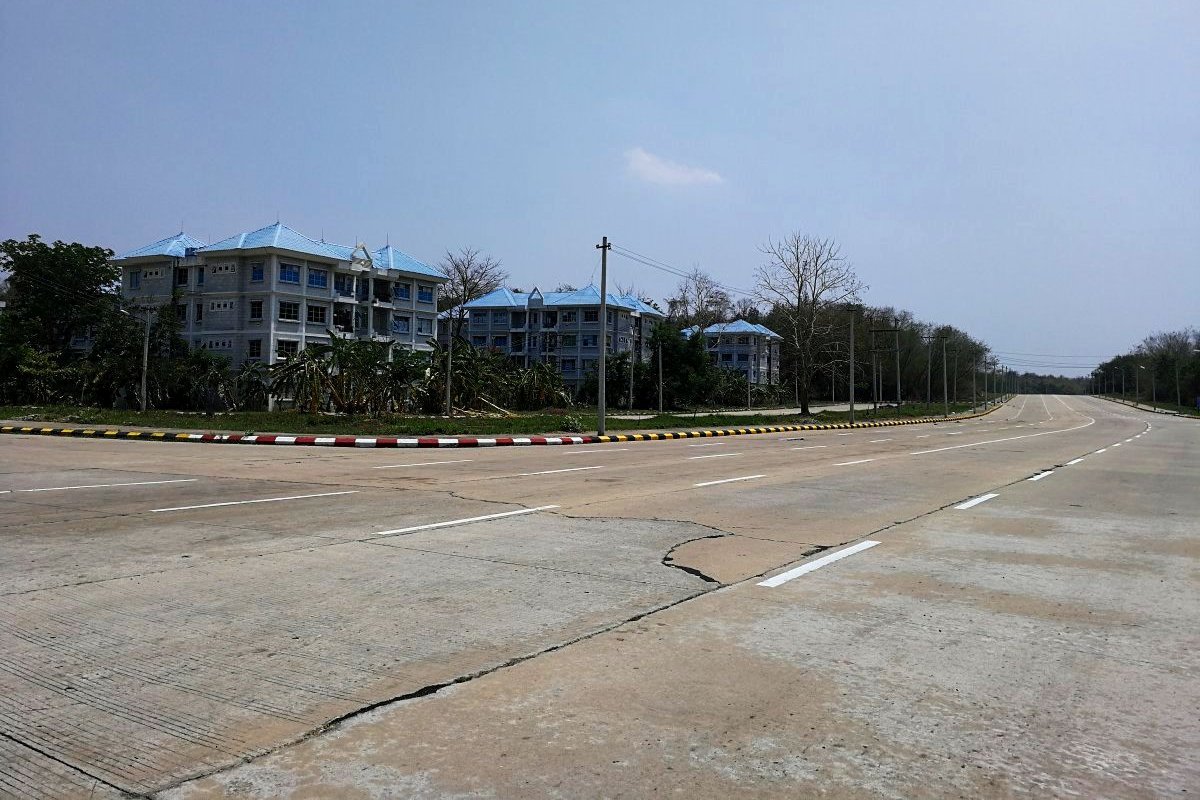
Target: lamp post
x,y
1137,387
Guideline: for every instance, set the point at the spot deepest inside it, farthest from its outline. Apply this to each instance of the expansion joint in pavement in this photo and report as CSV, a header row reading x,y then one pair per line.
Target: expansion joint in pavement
x,y
73,767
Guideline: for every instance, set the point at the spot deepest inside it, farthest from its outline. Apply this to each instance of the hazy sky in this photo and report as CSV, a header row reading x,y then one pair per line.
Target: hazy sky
x,y
1029,172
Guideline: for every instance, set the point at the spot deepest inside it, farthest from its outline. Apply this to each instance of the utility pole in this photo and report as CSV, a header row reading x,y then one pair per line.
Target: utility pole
x,y
603,247
945,382
631,357
928,373
449,372
974,375
660,388
851,366
895,330
145,358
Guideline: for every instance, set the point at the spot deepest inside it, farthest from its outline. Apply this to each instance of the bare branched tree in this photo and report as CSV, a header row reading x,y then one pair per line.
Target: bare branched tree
x,y
747,308
471,275
631,290
699,300
804,278
566,287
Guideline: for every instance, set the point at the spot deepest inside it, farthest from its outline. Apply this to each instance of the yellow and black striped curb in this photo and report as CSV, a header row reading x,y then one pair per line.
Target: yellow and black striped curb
x,y
455,441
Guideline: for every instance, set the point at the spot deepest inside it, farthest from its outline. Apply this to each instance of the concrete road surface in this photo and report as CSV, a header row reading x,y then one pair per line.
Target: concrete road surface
x,y
991,608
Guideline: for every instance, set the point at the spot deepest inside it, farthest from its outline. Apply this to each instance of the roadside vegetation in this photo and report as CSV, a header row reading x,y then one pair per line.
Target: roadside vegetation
x,y
1163,371
72,351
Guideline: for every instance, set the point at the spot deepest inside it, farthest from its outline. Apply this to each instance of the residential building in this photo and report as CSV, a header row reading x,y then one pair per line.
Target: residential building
x,y
264,295
744,346
561,328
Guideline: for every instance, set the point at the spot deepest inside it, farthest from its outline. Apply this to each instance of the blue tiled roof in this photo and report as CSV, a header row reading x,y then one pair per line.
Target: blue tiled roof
x,y
284,238
173,247
737,326
279,236
388,257
587,296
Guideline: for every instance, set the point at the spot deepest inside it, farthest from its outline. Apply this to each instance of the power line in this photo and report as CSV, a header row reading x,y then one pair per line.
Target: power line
x,y
662,266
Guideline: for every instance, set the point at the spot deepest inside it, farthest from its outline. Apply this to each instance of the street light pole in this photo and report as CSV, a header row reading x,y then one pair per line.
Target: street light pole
x,y
851,366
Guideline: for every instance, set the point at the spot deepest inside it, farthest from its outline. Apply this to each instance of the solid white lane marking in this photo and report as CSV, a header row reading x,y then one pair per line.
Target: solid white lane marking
x,y
553,471
877,441
105,485
849,463
804,569
1005,439
589,452
1074,462
708,444
983,498
1041,475
424,463
248,502
810,447
714,455
451,522
729,480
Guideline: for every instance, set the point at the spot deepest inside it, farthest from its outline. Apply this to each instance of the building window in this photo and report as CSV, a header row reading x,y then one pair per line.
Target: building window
x,y
727,356
590,340
289,273
254,348
499,317
181,312
569,340
500,341
135,279
401,323
743,356
743,340
289,312
404,291
256,275
224,266
316,314
591,315
589,364
479,341
318,278
256,309
424,293
285,348
344,285
181,276
569,317
199,312
568,365
533,318
424,325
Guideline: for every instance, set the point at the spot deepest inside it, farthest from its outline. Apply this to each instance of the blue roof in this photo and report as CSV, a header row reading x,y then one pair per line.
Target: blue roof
x,y
279,236
587,296
173,246
282,237
737,326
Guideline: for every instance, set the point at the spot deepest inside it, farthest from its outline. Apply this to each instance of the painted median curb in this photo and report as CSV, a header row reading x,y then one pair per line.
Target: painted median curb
x,y
452,441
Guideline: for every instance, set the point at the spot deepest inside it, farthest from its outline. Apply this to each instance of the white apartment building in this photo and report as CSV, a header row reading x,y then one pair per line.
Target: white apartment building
x,y
265,294
744,346
561,328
